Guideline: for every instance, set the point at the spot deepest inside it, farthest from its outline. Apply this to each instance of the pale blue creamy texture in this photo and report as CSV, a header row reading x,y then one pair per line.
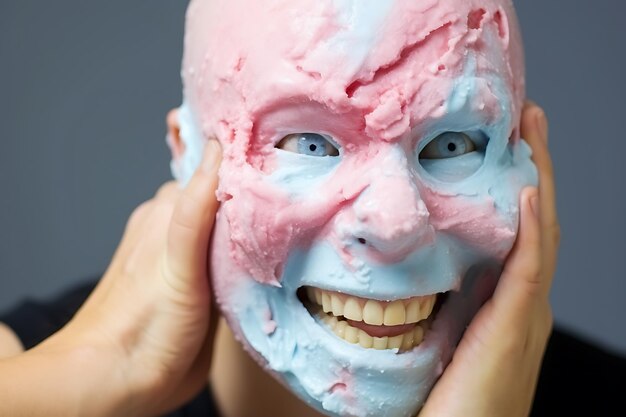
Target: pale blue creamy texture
x,y
313,360
380,383
357,40
299,174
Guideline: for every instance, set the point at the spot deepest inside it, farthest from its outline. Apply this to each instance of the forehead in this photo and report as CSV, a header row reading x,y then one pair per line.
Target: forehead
x,y
388,59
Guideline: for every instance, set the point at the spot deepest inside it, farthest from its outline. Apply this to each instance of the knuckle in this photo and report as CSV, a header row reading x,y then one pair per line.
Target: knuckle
x,y
177,287
533,286
187,212
139,214
167,190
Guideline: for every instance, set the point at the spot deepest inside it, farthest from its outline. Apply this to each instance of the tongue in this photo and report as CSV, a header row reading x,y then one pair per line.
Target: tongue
x,y
382,331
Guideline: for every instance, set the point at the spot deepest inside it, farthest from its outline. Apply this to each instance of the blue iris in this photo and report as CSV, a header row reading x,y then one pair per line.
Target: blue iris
x,y
314,144
448,145
452,144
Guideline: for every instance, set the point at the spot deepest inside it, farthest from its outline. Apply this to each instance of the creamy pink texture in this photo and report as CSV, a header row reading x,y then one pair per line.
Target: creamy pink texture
x,y
274,73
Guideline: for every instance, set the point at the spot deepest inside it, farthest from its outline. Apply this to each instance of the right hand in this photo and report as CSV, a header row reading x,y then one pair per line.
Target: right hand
x,y
144,336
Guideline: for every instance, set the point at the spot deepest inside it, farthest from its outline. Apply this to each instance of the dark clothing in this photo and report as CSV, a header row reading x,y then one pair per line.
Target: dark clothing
x,y
577,377
34,321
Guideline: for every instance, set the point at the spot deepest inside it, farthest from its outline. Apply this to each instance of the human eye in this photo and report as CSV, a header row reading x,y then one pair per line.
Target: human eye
x,y
448,145
453,156
310,144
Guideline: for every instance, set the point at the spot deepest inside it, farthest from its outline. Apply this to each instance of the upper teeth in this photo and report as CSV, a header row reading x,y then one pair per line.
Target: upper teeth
x,y
388,313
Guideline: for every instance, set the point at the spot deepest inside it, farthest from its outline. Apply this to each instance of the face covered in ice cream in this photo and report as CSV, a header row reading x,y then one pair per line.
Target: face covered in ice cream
x,y
371,176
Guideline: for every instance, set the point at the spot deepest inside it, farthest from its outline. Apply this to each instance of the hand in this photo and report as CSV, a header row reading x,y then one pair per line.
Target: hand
x,y
145,334
495,367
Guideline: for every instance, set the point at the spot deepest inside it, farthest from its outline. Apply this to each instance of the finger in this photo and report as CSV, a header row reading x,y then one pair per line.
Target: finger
x,y
140,224
133,231
534,129
139,218
521,280
191,224
168,191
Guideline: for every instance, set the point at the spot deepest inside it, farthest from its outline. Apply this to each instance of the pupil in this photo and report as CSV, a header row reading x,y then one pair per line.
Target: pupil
x,y
312,147
451,147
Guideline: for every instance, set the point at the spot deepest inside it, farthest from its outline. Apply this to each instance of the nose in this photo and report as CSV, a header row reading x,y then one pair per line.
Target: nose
x,y
390,217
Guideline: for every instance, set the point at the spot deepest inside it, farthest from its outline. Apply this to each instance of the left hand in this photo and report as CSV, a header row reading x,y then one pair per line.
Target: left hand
x,y
495,367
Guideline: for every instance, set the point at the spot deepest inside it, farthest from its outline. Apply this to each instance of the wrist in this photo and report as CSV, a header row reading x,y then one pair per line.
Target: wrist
x,y
60,379
95,378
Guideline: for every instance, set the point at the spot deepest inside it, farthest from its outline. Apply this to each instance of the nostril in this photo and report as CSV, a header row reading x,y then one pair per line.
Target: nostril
x,y
362,241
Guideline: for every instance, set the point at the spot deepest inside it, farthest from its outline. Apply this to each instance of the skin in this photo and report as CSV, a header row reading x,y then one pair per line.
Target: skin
x,y
142,343
10,345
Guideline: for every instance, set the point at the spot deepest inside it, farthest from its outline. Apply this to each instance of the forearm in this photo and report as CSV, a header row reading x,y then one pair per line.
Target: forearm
x,y
54,382
10,344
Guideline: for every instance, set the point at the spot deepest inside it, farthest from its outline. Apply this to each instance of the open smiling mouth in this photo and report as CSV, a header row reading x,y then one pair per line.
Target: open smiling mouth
x,y
373,324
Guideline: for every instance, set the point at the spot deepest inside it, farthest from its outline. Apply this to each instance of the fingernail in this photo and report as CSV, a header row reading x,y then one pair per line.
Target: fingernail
x,y
534,204
542,125
212,155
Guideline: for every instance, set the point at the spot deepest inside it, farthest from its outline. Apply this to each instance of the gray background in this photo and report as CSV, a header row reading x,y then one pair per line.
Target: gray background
x,y
85,86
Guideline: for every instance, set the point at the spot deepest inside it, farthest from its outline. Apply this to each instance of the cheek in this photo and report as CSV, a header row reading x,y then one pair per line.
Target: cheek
x,y
266,222
258,239
475,221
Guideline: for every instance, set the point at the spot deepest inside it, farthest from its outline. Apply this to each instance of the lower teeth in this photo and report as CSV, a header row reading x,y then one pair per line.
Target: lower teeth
x,y
403,342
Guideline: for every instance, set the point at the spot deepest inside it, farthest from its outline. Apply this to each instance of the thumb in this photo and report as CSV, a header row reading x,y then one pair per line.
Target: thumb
x,y
191,224
521,280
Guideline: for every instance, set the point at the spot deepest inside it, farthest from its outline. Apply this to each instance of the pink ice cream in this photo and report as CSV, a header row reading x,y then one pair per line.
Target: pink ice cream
x,y
421,101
